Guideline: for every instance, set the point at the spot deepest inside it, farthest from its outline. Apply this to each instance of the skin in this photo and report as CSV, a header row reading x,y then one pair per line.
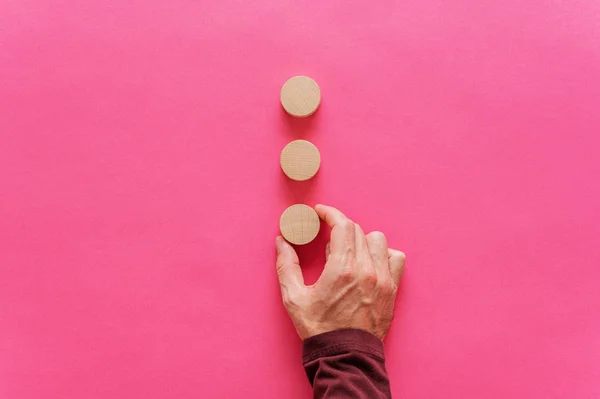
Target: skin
x,y
357,288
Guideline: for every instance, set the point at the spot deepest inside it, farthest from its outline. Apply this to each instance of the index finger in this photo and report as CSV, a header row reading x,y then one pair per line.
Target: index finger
x,y
342,230
331,215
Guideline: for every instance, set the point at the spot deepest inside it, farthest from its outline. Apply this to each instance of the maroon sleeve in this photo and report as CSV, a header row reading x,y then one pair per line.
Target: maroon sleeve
x,y
346,364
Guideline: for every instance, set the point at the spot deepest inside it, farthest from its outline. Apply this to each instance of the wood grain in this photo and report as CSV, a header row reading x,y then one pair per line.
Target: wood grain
x,y
300,160
300,96
299,224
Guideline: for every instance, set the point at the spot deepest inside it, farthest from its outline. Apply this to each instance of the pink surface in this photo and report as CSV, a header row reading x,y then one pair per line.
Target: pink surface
x,y
140,191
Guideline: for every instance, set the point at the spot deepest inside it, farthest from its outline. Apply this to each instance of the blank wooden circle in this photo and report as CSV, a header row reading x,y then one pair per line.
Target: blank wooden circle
x,y
300,160
299,224
300,96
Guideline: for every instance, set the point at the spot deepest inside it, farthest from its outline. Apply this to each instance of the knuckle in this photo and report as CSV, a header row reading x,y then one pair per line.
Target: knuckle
x,y
348,225
386,287
280,267
348,256
401,256
347,275
370,277
376,235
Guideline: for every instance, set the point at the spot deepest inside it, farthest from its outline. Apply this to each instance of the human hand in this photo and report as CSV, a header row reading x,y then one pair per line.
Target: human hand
x,y
357,288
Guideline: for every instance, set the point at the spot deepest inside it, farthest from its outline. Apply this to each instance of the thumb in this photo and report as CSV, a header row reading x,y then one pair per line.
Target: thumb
x,y
288,265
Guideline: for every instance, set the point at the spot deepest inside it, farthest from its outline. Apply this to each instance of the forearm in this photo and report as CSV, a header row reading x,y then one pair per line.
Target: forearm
x,y
346,363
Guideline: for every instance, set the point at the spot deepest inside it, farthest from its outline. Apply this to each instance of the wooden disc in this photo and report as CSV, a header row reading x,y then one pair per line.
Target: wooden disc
x,y
299,224
300,160
300,96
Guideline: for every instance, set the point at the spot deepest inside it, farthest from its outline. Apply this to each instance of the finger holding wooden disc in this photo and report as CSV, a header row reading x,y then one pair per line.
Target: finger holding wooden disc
x,y
299,224
300,160
300,96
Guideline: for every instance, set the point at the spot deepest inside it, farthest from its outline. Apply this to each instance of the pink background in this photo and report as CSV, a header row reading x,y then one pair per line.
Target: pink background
x,y
140,191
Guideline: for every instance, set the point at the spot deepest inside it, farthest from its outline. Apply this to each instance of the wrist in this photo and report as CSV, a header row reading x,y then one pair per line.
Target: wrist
x,y
341,341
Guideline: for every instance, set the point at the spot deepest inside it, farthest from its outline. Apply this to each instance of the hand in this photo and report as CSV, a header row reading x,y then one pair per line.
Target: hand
x,y
357,288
